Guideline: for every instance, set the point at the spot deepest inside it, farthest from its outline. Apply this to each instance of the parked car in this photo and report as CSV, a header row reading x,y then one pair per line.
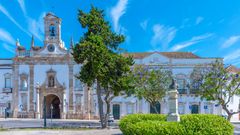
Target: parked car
x,y
110,118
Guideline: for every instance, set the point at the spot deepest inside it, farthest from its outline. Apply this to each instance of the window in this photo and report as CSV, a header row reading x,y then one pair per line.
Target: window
x,y
78,85
7,80
51,81
130,107
78,99
181,108
180,84
24,84
208,109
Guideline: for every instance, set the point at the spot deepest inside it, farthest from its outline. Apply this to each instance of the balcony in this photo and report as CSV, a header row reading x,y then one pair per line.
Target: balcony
x,y
182,91
7,90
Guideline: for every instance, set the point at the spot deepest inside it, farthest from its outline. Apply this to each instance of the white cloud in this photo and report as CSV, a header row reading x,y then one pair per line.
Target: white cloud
x,y
162,35
194,51
9,48
22,6
230,41
144,24
36,27
6,37
232,56
199,20
5,12
116,12
192,41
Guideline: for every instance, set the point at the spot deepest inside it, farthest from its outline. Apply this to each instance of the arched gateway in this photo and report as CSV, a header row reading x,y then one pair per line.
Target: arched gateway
x,y
53,106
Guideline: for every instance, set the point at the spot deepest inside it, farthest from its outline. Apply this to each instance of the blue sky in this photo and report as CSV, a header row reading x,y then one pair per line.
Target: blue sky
x,y
206,28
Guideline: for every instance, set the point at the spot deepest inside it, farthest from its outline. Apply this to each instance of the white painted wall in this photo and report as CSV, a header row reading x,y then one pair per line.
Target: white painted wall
x,y
5,67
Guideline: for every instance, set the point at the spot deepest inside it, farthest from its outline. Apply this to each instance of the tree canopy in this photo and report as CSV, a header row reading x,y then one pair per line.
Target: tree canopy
x,y
151,84
98,52
218,84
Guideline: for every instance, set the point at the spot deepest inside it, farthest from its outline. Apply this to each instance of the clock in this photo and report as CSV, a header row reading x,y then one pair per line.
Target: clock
x,y
51,48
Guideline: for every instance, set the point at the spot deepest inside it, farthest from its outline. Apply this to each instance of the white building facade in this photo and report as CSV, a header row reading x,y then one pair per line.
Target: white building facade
x,y
49,71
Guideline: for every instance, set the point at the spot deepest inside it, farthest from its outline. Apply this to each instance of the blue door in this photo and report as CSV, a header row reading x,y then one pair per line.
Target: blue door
x,y
116,111
158,106
195,109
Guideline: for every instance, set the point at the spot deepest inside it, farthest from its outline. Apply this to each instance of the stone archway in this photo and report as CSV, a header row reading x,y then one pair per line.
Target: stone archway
x,y
53,106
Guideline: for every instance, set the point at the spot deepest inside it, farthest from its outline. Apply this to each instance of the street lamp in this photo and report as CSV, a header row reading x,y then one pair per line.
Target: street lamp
x,y
51,107
21,107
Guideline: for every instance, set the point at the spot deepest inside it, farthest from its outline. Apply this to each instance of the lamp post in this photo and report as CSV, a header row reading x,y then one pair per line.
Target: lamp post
x,y
21,107
44,112
51,113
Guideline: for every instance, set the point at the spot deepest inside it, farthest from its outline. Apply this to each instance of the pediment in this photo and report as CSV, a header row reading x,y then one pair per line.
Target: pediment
x,y
155,58
56,52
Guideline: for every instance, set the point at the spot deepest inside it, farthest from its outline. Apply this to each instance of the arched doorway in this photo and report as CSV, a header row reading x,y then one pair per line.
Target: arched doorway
x,y
53,106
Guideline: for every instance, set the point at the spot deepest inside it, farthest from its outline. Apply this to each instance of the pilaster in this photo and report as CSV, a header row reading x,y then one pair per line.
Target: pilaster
x,y
31,87
70,67
15,90
38,103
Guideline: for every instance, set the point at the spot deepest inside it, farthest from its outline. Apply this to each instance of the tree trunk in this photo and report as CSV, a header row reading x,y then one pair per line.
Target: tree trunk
x,y
229,116
100,105
228,112
107,113
155,108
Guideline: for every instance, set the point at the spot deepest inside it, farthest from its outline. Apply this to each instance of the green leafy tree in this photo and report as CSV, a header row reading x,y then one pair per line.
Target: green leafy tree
x,y
151,84
218,84
98,52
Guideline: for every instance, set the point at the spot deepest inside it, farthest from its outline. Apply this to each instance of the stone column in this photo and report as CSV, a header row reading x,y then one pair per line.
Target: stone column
x,y
173,104
15,89
71,108
38,102
31,90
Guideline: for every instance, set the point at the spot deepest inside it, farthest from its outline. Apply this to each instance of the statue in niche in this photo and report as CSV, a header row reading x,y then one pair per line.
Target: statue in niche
x,y
51,81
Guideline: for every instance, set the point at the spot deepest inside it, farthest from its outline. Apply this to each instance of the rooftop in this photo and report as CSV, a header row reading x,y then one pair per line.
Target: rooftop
x,y
175,55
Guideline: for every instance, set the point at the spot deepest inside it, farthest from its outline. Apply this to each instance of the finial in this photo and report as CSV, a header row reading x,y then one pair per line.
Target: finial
x,y
71,43
173,85
18,43
32,42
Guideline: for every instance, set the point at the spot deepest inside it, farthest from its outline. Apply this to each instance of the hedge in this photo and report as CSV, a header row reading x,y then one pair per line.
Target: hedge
x,y
131,119
206,124
190,124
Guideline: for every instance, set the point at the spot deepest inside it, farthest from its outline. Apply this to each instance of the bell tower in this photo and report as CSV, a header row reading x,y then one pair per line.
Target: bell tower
x,y
52,30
